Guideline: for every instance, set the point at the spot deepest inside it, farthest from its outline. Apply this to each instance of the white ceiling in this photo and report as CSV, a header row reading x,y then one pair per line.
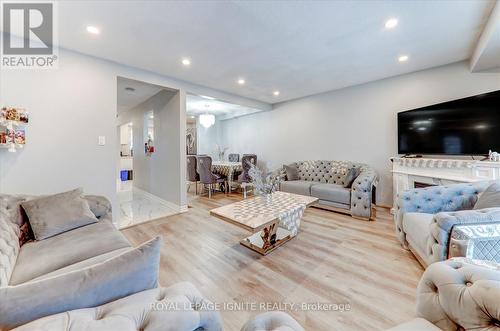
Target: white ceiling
x,y
127,100
297,47
197,105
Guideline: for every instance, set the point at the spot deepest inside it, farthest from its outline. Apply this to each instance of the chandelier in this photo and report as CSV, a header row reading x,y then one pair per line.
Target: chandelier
x,y
207,120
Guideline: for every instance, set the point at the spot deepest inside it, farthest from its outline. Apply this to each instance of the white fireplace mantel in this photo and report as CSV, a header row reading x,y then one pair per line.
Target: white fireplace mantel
x,y
407,171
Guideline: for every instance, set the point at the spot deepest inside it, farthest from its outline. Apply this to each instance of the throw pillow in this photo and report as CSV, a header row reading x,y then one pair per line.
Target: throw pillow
x,y
292,173
490,198
131,272
350,175
58,213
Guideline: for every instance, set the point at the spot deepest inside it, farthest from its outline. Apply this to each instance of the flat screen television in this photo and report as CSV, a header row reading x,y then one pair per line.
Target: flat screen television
x,y
469,126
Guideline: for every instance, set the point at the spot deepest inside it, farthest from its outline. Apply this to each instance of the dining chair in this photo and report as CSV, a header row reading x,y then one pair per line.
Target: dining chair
x,y
233,157
207,177
192,175
244,179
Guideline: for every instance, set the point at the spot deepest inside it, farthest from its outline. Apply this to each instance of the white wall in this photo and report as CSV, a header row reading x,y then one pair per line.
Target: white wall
x,y
357,123
208,138
69,108
157,173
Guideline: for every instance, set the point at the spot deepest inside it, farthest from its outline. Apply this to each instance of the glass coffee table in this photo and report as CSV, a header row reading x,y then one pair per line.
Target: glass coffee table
x,y
272,219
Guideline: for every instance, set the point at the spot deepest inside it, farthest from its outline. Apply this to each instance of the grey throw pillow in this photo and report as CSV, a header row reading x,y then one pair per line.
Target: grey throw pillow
x,y
292,173
350,175
58,213
120,276
490,198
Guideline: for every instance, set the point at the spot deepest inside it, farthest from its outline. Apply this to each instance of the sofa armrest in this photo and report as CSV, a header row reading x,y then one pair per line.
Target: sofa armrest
x,y
361,193
435,199
100,206
458,295
443,223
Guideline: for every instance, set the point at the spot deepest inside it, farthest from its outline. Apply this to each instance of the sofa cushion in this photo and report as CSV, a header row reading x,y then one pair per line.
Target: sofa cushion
x,y
336,205
331,192
489,198
66,249
58,213
292,173
417,229
301,187
128,273
350,176
150,310
83,264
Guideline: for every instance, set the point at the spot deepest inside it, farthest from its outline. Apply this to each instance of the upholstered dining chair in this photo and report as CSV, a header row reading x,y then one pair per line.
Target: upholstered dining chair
x,y
207,177
191,174
233,157
244,179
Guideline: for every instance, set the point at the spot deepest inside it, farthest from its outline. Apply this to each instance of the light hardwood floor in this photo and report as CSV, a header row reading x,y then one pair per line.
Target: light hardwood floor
x,y
335,259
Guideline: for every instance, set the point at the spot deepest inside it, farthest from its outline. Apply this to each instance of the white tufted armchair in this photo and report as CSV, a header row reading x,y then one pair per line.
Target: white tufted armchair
x,y
457,294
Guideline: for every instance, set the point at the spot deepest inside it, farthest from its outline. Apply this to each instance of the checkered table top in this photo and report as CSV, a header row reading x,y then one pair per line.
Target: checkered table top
x,y
257,212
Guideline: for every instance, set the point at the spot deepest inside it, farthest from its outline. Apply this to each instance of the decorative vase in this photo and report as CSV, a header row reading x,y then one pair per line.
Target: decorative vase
x,y
268,197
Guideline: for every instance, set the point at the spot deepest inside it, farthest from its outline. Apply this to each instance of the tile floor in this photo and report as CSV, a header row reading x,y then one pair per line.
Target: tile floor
x,y
136,207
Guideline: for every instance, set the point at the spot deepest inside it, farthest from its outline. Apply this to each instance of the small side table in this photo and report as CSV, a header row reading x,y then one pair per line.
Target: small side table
x,y
476,241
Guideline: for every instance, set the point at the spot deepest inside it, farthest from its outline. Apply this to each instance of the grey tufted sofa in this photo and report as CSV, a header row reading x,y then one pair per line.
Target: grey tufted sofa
x,y
425,217
50,259
323,180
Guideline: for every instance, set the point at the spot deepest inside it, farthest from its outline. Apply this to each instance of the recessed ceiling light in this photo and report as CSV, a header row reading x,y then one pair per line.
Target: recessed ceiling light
x,y
403,58
391,23
129,89
186,62
276,93
93,29
241,81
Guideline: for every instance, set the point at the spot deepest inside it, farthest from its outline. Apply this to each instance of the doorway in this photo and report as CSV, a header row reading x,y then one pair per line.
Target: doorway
x,y
148,116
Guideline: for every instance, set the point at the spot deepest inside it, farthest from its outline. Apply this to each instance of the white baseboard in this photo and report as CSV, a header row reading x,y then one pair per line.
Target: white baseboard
x,y
170,205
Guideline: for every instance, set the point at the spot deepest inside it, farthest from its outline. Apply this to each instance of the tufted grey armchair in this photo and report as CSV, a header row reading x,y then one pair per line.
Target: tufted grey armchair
x,y
425,218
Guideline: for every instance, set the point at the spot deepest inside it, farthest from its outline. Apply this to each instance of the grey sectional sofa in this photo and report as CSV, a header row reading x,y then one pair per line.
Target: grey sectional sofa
x,y
324,180
122,281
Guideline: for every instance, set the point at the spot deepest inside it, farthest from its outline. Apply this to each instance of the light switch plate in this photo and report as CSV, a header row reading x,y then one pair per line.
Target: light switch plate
x,y
102,140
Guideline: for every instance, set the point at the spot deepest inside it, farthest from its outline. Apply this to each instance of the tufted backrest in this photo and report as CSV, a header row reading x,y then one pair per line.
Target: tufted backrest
x,y
456,295
436,199
332,172
10,220
233,157
191,173
247,160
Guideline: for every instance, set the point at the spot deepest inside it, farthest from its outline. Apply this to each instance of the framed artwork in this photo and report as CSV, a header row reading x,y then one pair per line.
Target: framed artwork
x,y
191,141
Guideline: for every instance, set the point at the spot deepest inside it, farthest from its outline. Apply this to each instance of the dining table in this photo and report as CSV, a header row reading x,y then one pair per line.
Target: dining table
x,y
228,169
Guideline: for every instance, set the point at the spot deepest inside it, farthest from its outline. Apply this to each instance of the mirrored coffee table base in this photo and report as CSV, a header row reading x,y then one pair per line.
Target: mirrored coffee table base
x,y
273,220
